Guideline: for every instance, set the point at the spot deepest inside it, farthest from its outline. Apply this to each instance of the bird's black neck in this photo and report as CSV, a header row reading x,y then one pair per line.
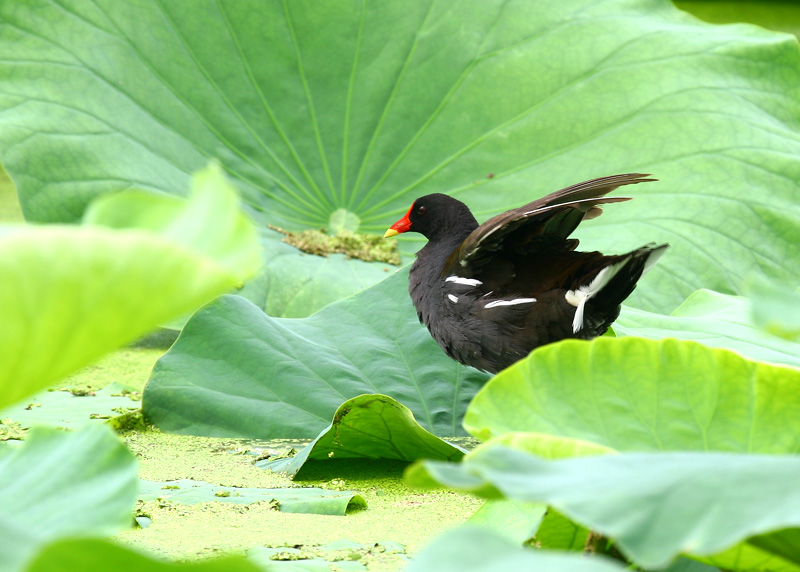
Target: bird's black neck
x,y
433,255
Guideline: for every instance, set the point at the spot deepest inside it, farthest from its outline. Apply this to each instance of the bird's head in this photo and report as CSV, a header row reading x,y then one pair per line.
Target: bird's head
x,y
434,216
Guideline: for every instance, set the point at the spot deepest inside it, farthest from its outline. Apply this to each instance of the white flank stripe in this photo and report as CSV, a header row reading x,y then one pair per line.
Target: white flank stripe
x,y
464,281
453,299
509,302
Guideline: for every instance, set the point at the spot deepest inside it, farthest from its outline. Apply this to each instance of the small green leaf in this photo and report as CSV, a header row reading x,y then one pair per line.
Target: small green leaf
x,y
515,520
307,500
674,503
369,427
557,532
60,484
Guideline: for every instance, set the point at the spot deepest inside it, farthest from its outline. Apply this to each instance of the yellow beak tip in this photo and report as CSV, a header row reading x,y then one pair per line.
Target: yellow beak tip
x,y
390,233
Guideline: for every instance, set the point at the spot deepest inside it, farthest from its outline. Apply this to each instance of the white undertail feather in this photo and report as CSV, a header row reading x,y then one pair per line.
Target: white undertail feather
x,y
654,257
580,296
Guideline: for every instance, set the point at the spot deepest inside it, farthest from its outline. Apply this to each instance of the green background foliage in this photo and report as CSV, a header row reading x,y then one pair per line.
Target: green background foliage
x,y
315,106
674,503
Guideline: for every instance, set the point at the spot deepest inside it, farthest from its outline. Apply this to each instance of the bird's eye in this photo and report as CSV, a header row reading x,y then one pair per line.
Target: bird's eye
x,y
421,210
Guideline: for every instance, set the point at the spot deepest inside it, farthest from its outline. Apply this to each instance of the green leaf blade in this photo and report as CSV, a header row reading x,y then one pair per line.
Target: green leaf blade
x,y
632,394
71,294
292,374
676,503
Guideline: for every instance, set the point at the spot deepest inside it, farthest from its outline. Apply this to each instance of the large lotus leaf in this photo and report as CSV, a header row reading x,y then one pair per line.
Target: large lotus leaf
x,y
80,555
633,394
719,321
70,294
369,427
295,285
209,223
314,106
306,500
237,372
478,550
58,484
655,505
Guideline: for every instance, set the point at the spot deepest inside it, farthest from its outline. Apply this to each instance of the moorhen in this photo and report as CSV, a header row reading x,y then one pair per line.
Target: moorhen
x,y
491,293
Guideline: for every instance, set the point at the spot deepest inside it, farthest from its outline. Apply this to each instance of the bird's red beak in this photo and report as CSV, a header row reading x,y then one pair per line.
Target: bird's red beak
x,y
401,225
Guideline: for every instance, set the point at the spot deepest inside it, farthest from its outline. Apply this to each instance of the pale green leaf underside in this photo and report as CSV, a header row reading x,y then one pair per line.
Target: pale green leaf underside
x,y
60,484
481,550
314,106
675,503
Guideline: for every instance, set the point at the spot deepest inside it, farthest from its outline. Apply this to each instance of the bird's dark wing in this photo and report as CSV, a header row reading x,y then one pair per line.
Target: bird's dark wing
x,y
540,226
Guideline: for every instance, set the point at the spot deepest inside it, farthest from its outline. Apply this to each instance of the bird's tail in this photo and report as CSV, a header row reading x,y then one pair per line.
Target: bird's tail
x,y
615,282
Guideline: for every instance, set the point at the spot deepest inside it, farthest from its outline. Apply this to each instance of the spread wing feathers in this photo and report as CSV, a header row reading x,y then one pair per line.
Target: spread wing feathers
x,y
540,225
